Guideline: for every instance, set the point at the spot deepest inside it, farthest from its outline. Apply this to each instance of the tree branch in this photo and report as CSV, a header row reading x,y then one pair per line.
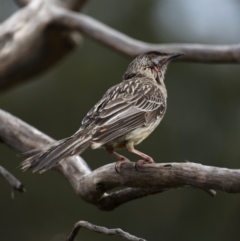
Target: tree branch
x,y
92,186
99,229
28,48
160,175
13,181
23,137
131,47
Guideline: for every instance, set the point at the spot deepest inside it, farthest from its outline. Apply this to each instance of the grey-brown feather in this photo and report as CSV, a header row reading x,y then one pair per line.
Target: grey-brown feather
x,y
134,103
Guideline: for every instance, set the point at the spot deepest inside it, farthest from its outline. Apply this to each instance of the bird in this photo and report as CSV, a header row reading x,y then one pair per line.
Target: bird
x,y
126,114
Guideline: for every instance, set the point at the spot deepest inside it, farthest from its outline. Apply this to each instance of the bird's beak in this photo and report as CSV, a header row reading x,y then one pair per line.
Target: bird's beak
x,y
165,59
172,56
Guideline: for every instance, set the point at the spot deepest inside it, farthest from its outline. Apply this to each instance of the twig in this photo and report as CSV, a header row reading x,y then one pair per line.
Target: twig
x,y
99,229
211,192
13,181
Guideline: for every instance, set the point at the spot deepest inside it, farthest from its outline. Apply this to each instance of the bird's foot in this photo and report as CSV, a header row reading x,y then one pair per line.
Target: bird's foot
x,y
119,163
142,162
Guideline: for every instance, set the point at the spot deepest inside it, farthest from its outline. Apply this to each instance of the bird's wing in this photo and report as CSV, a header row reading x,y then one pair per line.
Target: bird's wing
x,y
125,107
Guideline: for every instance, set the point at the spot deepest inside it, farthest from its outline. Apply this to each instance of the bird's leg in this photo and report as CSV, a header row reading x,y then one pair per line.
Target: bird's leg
x,y
121,159
147,159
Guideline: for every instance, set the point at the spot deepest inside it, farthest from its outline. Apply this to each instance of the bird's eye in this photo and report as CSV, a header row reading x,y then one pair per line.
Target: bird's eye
x,y
153,56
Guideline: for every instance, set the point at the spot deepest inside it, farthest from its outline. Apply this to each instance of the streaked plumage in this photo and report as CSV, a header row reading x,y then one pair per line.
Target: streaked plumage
x,y
126,114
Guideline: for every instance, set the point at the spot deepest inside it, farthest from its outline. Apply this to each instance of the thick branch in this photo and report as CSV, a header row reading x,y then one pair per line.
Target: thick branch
x,y
99,229
162,176
23,137
13,181
92,186
28,48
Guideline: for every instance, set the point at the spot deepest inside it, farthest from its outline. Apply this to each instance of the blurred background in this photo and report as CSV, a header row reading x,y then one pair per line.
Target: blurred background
x,y
202,125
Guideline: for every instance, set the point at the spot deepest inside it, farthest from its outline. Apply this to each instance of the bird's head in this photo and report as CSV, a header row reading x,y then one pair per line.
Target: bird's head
x,y
151,64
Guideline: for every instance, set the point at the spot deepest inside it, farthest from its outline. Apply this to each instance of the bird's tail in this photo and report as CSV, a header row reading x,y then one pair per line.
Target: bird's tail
x,y
44,158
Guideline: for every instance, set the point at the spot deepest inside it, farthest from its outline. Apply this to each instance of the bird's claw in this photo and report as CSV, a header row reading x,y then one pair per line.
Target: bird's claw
x,y
140,163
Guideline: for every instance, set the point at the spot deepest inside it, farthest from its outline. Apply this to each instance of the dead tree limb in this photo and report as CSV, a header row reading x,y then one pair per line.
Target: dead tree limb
x,y
28,48
92,186
100,229
131,47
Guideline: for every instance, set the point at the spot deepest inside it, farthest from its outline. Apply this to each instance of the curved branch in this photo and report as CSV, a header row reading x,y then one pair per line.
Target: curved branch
x,y
92,186
131,47
28,48
162,176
